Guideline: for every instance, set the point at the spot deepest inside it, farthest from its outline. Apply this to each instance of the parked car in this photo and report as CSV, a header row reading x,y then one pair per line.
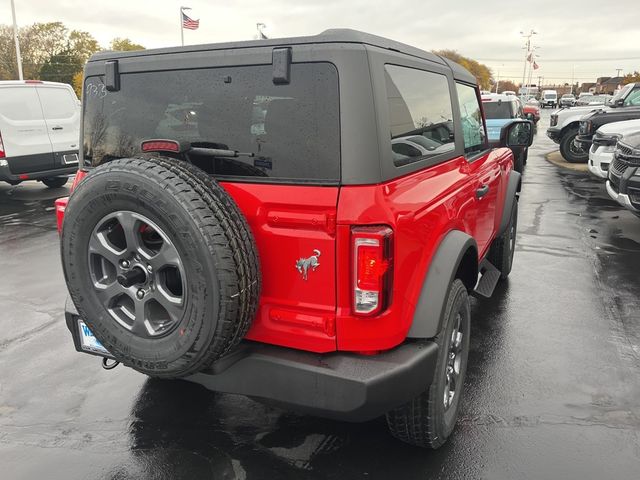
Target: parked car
x,y
564,124
549,98
604,145
306,265
39,132
623,184
594,120
508,92
499,110
593,100
531,111
567,100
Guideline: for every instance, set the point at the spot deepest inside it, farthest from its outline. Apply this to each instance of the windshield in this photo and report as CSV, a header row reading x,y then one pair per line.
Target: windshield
x,y
293,130
550,95
622,93
499,110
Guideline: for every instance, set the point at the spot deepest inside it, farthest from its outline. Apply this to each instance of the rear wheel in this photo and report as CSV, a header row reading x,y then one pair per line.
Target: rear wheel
x,y
55,182
429,419
571,152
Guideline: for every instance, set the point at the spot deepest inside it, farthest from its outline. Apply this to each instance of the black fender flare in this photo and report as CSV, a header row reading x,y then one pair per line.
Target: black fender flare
x,y
427,317
513,187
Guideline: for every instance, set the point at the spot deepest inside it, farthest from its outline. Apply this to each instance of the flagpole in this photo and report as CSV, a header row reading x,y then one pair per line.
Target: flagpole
x,y
181,28
15,38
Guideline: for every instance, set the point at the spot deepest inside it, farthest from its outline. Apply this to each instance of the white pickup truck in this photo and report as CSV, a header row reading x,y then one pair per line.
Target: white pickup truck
x,y
604,144
564,124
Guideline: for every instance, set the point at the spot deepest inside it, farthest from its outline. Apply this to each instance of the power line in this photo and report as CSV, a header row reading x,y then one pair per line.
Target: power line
x,y
576,60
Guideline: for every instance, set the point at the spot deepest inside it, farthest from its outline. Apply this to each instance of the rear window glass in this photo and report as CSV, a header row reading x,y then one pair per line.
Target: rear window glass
x,y
420,114
57,102
293,130
20,103
499,110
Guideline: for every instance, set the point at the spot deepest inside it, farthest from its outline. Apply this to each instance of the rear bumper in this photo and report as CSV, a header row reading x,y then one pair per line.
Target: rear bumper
x,y
6,175
341,386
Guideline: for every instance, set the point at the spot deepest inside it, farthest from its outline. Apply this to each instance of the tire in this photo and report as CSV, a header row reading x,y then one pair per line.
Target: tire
x,y
195,307
502,249
569,151
55,182
425,421
518,161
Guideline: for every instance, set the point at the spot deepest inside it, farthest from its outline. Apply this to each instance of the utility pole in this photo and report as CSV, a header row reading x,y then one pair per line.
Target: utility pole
x,y
15,38
528,36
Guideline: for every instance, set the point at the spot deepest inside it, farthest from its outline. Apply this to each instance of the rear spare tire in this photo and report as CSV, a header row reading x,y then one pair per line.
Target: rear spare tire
x,y
160,264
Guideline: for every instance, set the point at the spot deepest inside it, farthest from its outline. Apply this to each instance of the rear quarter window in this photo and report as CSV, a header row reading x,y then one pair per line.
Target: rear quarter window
x,y
420,114
292,130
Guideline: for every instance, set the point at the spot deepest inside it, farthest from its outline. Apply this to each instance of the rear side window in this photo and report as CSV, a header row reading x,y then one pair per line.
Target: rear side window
x,y
292,130
420,114
499,110
20,103
57,102
471,119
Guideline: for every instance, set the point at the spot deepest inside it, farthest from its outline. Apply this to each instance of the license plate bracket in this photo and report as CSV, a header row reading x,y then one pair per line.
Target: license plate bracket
x,y
88,342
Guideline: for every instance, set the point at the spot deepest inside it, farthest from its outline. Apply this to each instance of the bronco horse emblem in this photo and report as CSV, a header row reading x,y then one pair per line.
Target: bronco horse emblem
x,y
304,264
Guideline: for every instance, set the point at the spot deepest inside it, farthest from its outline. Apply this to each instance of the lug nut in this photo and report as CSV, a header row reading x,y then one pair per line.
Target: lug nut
x,y
125,263
140,294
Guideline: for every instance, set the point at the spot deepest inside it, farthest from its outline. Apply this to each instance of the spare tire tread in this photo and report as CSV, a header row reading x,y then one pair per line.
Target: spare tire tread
x,y
243,248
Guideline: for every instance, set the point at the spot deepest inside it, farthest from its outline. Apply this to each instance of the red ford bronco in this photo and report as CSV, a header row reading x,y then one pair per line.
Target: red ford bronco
x,y
297,220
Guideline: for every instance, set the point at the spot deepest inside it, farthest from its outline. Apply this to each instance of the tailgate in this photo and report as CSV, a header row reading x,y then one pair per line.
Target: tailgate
x,y
294,228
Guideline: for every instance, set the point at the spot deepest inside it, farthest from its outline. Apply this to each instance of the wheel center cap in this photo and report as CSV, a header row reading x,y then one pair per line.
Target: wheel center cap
x,y
132,277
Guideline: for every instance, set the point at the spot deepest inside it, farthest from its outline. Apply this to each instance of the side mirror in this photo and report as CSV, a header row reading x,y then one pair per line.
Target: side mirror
x,y
619,102
518,133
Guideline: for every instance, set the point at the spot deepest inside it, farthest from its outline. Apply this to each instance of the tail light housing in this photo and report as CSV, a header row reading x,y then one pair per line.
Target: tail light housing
x,y
2,154
372,252
80,174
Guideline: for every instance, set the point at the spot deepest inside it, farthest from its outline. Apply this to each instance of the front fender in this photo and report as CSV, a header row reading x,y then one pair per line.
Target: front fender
x,y
427,317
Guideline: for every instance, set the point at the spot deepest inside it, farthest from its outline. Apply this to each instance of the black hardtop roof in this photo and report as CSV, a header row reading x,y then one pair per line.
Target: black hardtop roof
x,y
339,35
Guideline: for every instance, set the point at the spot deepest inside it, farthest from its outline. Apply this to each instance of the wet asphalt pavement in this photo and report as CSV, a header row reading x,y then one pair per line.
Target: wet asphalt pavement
x,y
553,389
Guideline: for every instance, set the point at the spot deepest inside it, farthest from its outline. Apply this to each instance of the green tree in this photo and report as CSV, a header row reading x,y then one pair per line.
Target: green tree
x,y
39,44
631,77
477,69
61,67
124,45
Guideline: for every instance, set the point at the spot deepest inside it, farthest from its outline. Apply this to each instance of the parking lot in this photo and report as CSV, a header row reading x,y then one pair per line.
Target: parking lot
x,y
552,390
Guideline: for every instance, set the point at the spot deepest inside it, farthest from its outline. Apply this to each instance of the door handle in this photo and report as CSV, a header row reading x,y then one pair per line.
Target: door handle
x,y
56,128
482,191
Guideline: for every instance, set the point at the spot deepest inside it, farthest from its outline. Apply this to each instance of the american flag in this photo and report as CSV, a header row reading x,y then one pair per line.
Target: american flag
x,y
189,23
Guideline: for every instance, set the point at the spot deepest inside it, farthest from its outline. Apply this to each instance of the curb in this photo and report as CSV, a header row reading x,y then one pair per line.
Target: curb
x,y
558,161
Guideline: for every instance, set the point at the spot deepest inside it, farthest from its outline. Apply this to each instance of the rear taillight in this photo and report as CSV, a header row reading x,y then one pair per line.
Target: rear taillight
x,y
372,249
2,154
80,174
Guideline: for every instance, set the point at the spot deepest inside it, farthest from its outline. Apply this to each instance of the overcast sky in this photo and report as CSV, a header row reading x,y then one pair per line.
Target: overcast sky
x,y
591,38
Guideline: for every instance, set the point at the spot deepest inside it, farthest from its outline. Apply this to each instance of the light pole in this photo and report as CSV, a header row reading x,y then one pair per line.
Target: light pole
x,y
528,36
15,38
498,77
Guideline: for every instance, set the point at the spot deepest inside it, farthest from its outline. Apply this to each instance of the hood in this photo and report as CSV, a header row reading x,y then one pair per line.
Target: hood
x,y
494,125
602,116
620,128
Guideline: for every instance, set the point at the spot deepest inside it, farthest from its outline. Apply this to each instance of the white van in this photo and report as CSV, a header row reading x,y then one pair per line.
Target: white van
x,y
39,132
549,98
